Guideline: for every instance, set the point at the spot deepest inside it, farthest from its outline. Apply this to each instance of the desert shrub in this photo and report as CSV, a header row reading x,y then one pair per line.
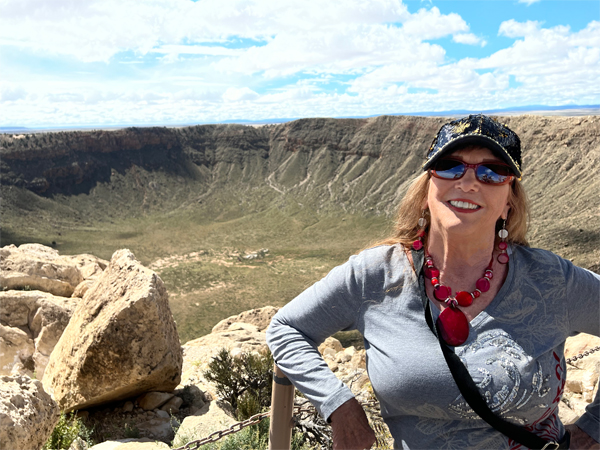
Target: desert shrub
x,y
66,431
245,382
131,431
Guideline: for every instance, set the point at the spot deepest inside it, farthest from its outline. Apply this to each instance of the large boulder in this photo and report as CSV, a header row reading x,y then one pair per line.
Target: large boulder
x,y
31,323
27,413
121,341
35,266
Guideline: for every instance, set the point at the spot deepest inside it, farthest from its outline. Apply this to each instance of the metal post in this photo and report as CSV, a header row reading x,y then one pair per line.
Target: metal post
x,y
282,408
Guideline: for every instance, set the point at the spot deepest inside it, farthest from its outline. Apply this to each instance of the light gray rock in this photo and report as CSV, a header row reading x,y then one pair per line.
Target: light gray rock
x,y
16,346
83,287
35,266
27,413
128,407
78,444
173,405
40,316
331,343
153,400
163,414
210,418
261,317
159,428
122,340
131,444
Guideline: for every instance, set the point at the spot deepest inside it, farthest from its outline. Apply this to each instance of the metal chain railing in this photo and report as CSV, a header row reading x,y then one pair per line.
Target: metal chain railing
x,y
583,354
256,418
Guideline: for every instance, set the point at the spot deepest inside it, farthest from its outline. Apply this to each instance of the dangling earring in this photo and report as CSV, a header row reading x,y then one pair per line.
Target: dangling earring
x,y
502,245
418,244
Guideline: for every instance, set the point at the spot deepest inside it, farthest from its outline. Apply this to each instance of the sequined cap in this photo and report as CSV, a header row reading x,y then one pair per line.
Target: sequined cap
x,y
477,129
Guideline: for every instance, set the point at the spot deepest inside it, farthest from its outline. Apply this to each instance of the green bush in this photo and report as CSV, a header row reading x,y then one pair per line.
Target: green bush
x,y
245,382
66,431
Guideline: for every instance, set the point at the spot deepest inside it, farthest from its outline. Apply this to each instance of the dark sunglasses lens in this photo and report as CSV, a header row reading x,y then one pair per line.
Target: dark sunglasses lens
x,y
493,173
449,169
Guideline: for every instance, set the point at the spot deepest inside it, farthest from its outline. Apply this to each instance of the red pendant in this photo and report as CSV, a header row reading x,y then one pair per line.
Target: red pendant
x,y
503,258
453,326
464,298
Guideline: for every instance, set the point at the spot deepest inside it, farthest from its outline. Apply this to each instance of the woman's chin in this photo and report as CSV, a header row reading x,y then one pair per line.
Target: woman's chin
x,y
461,226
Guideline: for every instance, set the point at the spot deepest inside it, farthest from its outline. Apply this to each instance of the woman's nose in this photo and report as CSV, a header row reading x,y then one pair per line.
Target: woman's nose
x,y
469,180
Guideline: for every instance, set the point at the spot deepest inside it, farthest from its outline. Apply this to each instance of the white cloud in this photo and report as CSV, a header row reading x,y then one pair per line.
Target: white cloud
x,y
529,2
468,38
196,50
239,94
12,93
431,24
513,29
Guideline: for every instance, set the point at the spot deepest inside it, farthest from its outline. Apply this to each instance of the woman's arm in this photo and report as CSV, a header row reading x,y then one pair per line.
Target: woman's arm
x,y
335,303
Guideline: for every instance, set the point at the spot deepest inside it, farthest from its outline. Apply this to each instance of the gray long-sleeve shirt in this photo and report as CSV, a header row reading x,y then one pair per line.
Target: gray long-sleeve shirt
x,y
515,349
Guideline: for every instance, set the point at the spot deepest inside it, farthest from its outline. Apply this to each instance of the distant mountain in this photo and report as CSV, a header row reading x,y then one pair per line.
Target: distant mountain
x,y
14,130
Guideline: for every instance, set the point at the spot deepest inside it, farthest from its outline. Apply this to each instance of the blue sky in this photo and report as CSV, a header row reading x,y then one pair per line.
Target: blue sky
x,y
167,62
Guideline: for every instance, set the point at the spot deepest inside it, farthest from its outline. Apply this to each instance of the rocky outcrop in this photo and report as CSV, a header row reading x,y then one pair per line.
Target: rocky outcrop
x,y
27,413
31,323
212,417
38,267
260,317
121,341
582,376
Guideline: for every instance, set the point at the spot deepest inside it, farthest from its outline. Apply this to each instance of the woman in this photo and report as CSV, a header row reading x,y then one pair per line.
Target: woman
x,y
505,309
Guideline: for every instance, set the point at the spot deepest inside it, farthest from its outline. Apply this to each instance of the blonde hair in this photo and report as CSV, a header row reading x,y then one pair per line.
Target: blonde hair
x,y
406,226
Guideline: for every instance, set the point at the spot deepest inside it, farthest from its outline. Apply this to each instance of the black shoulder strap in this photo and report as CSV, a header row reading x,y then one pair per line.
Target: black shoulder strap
x,y
468,388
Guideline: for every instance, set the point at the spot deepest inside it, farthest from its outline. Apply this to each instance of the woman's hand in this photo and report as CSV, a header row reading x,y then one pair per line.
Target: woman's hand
x,y
580,439
351,429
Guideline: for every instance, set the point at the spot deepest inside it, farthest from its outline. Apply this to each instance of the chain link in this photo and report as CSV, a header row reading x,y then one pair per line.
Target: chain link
x,y
257,418
583,354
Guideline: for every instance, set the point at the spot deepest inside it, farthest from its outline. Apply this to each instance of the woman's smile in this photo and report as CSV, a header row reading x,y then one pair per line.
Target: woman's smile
x,y
464,206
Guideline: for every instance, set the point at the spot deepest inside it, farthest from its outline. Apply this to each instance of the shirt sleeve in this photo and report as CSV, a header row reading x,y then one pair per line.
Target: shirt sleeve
x,y
330,305
583,297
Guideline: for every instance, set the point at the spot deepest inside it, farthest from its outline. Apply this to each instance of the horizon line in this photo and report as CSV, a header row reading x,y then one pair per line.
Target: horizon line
x,y
531,109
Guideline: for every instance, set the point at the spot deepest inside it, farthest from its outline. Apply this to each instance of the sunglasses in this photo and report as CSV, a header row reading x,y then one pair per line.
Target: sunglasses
x,y
495,173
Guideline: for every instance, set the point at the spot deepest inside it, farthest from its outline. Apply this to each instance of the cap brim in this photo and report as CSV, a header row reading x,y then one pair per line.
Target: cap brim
x,y
481,140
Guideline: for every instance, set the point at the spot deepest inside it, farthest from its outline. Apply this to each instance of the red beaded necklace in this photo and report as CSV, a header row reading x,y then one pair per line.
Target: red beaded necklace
x,y
452,322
